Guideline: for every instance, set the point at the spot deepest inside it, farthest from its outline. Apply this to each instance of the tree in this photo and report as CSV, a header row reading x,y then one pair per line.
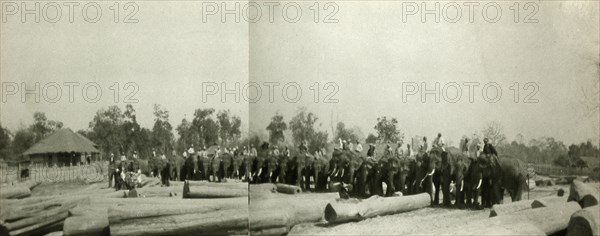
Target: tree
x,y
205,126
106,130
494,132
22,141
229,127
387,130
302,125
276,129
303,129
371,139
5,141
132,132
162,131
345,134
42,127
186,136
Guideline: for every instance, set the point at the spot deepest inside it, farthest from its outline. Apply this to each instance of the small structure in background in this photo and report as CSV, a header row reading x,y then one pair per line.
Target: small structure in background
x,y
62,148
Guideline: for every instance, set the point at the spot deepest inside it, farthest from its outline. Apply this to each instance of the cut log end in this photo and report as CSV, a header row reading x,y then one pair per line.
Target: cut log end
x,y
330,214
585,222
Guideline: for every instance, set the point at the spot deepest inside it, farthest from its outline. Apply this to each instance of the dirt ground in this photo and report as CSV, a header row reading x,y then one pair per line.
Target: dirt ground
x,y
409,223
415,222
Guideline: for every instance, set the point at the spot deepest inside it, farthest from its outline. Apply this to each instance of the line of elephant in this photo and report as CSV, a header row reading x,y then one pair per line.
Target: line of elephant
x,y
433,172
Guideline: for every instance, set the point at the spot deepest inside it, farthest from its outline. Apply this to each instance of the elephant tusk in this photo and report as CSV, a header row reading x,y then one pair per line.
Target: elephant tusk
x,y
270,174
259,171
479,185
343,172
432,171
462,183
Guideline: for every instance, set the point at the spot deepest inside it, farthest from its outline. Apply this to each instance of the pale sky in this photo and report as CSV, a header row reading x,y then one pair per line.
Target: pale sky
x,y
369,53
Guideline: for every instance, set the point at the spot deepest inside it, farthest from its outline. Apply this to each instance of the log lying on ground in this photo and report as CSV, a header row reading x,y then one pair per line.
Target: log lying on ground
x,y
154,192
305,209
212,192
15,192
87,225
212,223
548,201
263,220
551,220
44,221
122,213
540,221
31,184
289,189
585,222
508,208
492,226
270,231
16,212
584,194
262,187
374,206
229,185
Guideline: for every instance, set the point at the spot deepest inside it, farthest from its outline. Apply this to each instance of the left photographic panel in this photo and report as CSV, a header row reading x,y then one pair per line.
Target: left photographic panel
x,y
123,118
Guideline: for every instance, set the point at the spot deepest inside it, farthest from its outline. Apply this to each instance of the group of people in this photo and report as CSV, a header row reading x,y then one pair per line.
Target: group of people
x,y
123,175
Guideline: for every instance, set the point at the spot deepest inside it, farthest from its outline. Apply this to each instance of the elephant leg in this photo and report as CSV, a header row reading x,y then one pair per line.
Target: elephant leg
x,y
436,181
317,182
460,193
391,187
446,191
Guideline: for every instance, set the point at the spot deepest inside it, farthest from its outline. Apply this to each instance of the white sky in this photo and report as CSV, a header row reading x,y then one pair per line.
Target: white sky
x,y
369,53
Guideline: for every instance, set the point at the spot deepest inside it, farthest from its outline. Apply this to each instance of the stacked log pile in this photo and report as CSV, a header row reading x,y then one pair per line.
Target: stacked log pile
x,y
37,217
18,191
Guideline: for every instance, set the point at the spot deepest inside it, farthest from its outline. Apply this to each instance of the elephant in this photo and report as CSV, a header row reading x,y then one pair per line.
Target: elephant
x,y
472,184
236,166
259,172
451,166
189,170
375,176
176,167
320,167
393,175
248,163
204,166
281,172
302,169
500,174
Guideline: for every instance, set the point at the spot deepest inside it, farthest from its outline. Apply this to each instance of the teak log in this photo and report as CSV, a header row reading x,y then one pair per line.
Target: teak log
x,y
86,225
584,194
262,187
15,192
289,189
374,206
119,214
212,192
552,219
500,225
228,185
212,223
508,208
548,201
303,208
264,219
585,222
